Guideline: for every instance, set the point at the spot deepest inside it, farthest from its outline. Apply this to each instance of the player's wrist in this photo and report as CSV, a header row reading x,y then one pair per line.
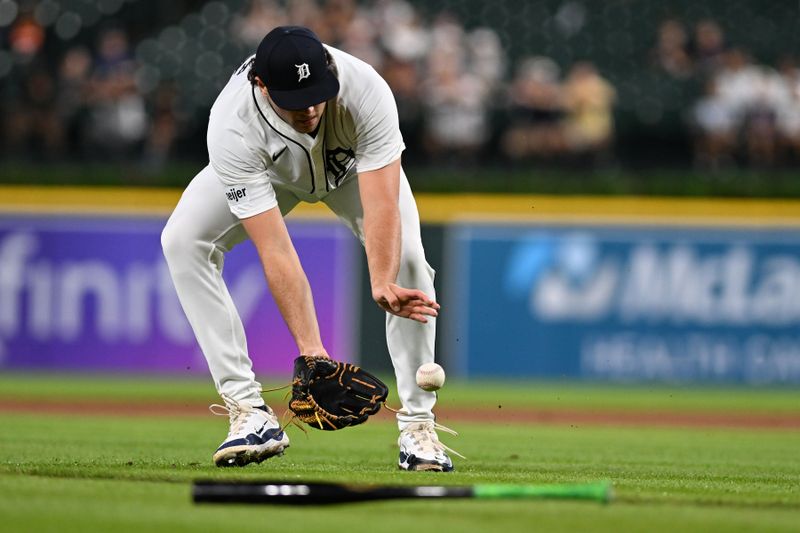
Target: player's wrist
x,y
380,286
313,349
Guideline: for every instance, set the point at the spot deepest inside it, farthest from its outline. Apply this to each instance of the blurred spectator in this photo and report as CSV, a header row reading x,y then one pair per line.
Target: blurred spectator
x,y
708,47
32,125
588,100
742,106
118,121
306,13
163,128
767,100
402,33
404,79
715,129
671,53
26,38
456,101
338,16
487,56
359,36
537,111
73,105
456,115
789,115
248,28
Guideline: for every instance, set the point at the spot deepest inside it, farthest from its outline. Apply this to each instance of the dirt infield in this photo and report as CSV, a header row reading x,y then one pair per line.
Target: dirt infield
x,y
499,415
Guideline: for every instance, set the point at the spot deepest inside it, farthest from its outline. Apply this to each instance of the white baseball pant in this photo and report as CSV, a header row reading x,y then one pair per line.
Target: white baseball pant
x,y
202,229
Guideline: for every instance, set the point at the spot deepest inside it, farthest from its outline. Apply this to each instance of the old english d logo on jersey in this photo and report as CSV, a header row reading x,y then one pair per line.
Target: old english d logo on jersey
x,y
337,162
303,72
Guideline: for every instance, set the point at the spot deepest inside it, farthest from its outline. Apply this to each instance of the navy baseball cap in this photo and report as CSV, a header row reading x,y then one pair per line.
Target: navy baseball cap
x,y
291,62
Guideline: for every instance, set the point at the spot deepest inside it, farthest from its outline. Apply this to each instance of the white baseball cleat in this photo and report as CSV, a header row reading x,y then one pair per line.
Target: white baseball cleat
x,y
420,448
255,434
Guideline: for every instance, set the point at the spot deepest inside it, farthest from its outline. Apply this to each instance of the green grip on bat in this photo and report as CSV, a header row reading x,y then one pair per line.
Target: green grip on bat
x,y
589,491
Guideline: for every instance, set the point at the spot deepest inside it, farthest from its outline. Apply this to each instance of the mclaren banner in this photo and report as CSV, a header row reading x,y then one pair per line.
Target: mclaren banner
x,y
626,303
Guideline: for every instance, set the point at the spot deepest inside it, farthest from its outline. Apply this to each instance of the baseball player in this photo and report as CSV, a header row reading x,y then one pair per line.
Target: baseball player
x,y
303,121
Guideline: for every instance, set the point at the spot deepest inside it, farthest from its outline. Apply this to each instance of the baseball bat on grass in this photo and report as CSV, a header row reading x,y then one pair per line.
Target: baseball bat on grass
x,y
296,493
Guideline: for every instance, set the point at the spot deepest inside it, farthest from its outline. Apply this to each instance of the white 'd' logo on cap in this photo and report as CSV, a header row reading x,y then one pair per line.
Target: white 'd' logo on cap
x,y
302,72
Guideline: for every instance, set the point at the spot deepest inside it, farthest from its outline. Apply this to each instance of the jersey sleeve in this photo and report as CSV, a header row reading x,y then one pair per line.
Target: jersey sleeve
x,y
247,190
378,138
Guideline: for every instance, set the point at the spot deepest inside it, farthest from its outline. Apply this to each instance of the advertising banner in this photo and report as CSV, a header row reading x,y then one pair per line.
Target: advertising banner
x,y
94,294
626,303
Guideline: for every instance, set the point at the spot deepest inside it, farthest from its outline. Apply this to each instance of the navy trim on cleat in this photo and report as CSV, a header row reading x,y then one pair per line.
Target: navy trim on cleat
x,y
247,456
253,439
414,463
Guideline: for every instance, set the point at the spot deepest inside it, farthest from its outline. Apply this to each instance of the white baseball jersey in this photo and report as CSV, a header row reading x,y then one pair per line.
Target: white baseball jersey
x,y
253,151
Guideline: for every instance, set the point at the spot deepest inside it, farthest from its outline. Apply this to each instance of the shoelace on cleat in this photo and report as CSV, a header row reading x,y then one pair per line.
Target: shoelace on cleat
x,y
424,435
237,413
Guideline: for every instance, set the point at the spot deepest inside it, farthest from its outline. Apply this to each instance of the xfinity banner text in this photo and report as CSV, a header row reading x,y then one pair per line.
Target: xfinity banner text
x,y
95,294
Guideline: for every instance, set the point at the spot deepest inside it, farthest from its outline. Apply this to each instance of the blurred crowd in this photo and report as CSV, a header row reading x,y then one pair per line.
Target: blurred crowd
x,y
459,98
747,113
81,103
79,82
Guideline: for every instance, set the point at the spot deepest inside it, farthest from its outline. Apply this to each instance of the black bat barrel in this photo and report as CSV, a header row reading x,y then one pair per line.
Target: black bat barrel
x,y
313,493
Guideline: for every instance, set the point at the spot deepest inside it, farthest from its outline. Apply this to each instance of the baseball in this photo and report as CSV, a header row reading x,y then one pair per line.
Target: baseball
x,y
430,377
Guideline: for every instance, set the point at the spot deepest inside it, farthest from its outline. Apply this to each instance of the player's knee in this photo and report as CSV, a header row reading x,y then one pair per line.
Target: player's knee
x,y
173,243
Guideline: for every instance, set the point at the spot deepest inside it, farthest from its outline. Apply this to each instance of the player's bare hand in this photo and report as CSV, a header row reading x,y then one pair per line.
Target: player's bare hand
x,y
406,303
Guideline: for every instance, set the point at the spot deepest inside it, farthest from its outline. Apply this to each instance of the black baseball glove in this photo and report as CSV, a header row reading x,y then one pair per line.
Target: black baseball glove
x,y
330,395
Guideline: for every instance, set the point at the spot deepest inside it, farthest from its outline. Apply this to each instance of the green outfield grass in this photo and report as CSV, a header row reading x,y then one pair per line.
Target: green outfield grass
x,y
83,472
